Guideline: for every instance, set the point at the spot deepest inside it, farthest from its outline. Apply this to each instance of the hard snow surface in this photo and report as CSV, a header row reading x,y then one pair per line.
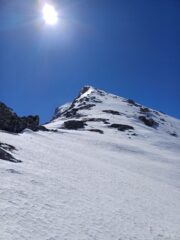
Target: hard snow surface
x,y
82,185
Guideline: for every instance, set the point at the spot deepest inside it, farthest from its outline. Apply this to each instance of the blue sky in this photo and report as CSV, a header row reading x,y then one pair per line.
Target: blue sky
x,y
126,47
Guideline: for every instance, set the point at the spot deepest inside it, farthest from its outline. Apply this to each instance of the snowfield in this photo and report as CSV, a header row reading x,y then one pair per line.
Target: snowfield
x,y
82,185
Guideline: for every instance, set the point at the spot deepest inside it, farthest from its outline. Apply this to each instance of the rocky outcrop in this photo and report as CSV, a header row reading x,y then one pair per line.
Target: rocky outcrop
x,y
174,134
103,120
96,130
148,121
5,153
111,112
144,110
74,124
121,127
10,122
133,103
81,102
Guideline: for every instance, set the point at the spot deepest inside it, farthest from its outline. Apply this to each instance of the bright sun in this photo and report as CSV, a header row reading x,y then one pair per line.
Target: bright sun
x,y
50,14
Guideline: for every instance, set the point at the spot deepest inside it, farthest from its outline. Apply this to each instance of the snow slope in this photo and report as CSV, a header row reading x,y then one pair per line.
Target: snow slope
x,y
83,185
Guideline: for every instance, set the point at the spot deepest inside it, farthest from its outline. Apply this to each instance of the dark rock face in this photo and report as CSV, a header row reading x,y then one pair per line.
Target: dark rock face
x,y
104,120
10,122
31,122
83,90
80,103
121,127
5,155
132,102
73,111
112,112
74,124
7,147
86,106
84,103
95,100
42,128
148,121
144,110
96,130
174,134
162,119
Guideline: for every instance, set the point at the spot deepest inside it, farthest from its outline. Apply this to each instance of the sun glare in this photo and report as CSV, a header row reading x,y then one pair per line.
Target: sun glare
x,y
50,15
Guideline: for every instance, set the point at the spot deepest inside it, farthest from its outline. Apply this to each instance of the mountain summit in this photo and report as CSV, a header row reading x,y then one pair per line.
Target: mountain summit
x,y
104,168
94,109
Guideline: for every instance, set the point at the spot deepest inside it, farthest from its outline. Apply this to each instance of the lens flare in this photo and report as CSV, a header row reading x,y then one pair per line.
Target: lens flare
x,y
50,15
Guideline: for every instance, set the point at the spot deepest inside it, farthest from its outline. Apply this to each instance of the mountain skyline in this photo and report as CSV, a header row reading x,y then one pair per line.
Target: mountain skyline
x,y
87,98
130,48
90,120
58,109
104,168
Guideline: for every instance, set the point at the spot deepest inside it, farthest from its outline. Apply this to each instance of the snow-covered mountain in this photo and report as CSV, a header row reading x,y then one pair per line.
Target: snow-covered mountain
x,y
104,168
95,108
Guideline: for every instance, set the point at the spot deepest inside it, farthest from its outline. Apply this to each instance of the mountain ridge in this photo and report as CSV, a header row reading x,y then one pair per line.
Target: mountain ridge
x,y
85,89
90,98
97,171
